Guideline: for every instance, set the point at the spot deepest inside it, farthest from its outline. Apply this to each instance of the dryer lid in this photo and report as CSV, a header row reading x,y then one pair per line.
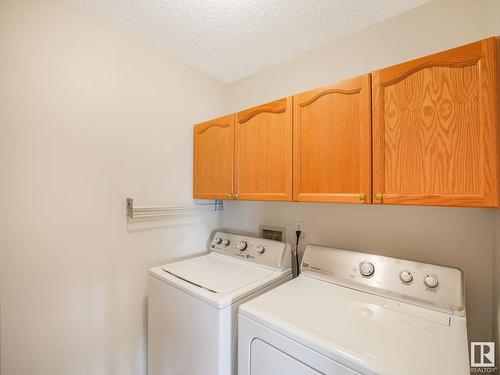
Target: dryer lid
x,y
216,273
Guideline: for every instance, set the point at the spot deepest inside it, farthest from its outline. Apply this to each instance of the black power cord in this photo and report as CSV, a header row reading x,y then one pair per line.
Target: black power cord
x,y
297,234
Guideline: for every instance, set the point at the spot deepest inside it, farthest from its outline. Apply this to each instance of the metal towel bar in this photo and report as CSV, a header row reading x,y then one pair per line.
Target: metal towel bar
x,y
135,212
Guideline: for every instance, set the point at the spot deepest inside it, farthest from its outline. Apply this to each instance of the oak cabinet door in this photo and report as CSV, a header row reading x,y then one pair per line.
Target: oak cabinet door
x,y
213,160
263,162
435,129
332,143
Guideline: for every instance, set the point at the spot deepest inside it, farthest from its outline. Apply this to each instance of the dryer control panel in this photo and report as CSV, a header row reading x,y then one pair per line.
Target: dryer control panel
x,y
428,285
268,253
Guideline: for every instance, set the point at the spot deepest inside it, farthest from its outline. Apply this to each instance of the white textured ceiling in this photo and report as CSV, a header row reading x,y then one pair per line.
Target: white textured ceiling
x,y
231,39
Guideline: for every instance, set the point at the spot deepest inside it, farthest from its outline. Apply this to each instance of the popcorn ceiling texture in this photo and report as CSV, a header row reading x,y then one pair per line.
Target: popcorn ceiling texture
x,y
233,39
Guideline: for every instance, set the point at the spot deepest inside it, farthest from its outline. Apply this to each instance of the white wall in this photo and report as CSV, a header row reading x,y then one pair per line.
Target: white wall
x,y
88,116
457,237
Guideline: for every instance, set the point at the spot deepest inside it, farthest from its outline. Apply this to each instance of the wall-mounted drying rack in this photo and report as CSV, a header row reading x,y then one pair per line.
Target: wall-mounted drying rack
x,y
136,212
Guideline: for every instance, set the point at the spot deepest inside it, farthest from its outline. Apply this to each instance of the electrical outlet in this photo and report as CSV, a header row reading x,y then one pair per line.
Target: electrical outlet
x,y
299,225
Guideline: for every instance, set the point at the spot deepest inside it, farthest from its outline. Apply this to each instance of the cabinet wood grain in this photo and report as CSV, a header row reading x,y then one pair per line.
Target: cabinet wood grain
x,y
213,160
425,132
332,143
435,129
263,154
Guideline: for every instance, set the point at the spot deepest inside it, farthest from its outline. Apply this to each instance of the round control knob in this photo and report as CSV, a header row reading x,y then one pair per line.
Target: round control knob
x,y
242,245
218,240
406,276
226,242
431,281
261,249
366,268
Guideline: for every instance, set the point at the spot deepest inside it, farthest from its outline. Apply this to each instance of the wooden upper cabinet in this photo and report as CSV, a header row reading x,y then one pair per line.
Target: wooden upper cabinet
x,y
435,129
213,161
263,157
425,132
332,143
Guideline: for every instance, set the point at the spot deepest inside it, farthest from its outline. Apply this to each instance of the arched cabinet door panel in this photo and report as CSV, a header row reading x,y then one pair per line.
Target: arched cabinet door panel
x,y
213,160
332,143
263,155
435,129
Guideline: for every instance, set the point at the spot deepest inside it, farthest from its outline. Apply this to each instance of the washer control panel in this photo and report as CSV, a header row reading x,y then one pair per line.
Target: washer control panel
x,y
430,285
261,251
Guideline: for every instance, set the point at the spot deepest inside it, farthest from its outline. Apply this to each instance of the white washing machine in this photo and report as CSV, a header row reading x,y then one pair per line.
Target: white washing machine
x,y
355,313
193,304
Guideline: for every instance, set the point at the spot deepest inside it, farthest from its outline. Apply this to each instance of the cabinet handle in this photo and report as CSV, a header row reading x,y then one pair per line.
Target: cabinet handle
x,y
362,197
235,196
230,196
379,197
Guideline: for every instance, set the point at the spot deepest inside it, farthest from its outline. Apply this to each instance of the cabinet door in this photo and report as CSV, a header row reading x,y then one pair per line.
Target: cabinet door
x,y
213,160
264,152
435,129
332,143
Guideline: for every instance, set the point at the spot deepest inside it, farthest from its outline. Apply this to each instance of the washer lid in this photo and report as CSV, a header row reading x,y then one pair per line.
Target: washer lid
x,y
369,333
215,273
217,279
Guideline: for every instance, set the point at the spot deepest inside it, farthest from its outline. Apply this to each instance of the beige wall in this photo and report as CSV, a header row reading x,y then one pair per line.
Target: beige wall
x,y
88,116
457,237
497,16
